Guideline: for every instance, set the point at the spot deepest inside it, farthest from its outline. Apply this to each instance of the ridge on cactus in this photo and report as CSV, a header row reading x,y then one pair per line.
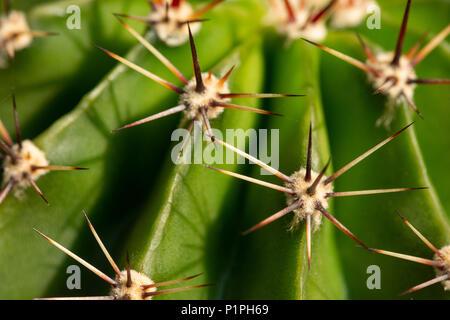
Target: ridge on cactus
x,y
128,284
308,191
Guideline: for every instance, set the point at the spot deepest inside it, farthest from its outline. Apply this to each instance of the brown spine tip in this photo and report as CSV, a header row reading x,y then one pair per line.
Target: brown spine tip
x,y
16,121
225,77
152,4
36,188
364,67
412,52
370,192
78,259
170,282
273,217
388,83
429,81
41,34
401,36
309,155
207,123
6,190
100,243
314,43
430,46
41,234
197,71
175,3
411,104
129,280
200,12
5,134
141,70
354,162
401,217
6,6
57,168
166,18
308,240
256,161
159,115
8,151
426,284
259,95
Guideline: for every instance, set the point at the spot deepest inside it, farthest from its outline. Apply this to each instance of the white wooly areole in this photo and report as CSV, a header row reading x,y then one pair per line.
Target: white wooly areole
x,y
170,21
128,284
19,168
15,34
204,97
308,191
23,162
300,186
297,19
392,73
440,261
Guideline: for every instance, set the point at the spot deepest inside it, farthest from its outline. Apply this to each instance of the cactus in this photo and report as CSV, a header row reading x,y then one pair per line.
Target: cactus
x,y
167,217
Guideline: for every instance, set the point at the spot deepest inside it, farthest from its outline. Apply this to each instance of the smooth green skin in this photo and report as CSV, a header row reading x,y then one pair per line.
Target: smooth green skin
x,y
51,76
190,224
271,263
83,138
351,110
